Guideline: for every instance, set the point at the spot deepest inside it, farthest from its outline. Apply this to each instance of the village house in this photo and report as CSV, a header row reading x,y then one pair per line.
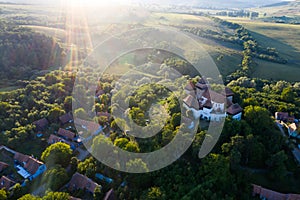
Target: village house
x,y
284,116
293,130
6,183
55,139
28,167
66,118
41,124
68,135
90,126
3,166
210,105
264,193
82,182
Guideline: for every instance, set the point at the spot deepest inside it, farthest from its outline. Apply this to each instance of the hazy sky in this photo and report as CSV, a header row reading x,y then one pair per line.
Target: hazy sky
x,y
185,2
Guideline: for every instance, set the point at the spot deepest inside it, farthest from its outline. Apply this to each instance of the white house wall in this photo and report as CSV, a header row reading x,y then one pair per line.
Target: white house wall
x,y
237,116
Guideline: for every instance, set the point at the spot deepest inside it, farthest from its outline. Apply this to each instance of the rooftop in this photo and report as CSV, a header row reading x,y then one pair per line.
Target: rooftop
x,y
66,134
273,195
214,96
30,164
190,86
66,118
3,165
234,109
42,123
80,181
191,101
6,183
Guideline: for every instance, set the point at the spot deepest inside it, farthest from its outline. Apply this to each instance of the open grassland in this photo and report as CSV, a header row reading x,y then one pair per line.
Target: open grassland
x,y
286,9
182,20
284,34
227,56
285,38
53,32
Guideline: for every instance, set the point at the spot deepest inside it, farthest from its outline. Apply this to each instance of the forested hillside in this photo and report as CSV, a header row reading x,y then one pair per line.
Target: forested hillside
x,y
24,52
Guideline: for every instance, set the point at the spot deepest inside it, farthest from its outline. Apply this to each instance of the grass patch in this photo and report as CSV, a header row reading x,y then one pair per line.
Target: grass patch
x,y
275,71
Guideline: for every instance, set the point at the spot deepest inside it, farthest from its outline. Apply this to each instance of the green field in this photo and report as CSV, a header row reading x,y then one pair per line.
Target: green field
x,y
227,56
285,38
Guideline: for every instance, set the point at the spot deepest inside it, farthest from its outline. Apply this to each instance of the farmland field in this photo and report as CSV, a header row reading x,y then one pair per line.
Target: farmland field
x,y
284,37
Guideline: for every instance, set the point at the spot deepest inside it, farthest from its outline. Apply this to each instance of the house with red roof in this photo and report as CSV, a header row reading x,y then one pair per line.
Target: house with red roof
x,y
6,183
264,193
55,139
66,118
41,124
3,166
68,135
28,167
284,116
82,182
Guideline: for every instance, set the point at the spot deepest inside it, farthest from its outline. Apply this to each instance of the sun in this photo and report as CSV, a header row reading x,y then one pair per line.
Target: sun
x,y
89,3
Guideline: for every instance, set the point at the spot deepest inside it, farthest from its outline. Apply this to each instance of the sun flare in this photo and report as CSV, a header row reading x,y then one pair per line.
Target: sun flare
x,y
90,3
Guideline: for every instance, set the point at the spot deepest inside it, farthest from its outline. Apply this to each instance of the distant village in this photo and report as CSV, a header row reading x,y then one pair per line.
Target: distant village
x,y
18,168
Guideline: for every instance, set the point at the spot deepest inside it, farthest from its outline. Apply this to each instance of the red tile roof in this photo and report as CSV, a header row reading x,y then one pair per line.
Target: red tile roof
x,y
214,96
273,195
190,86
91,126
21,157
54,139
6,183
191,102
67,134
284,116
207,104
80,181
3,165
30,164
66,118
201,86
227,92
234,109
42,123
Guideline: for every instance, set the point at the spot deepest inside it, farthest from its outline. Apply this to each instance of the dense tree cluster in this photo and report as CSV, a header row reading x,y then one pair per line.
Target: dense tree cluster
x,y
24,52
